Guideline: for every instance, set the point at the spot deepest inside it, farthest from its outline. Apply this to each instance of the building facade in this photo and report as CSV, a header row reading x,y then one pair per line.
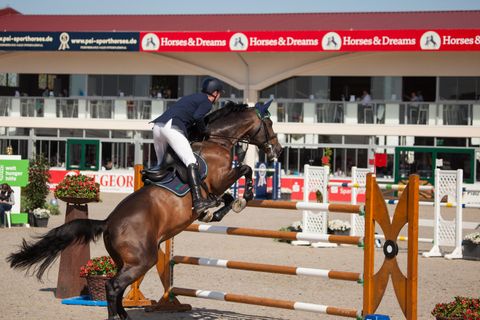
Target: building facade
x,y
88,106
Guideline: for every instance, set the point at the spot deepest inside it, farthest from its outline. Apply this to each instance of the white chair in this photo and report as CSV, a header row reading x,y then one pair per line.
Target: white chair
x,y
322,112
380,113
422,113
367,109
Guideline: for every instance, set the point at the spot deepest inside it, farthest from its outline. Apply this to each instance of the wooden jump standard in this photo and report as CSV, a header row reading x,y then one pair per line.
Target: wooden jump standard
x,y
374,284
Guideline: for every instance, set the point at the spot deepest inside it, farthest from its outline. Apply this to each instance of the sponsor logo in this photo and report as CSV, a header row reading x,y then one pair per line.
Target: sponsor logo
x,y
430,40
238,42
150,42
64,39
331,41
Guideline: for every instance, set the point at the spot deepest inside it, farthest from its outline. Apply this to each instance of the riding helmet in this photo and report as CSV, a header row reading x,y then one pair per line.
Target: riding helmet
x,y
211,85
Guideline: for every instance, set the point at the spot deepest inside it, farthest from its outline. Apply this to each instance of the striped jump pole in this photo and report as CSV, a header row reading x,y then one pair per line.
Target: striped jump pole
x,y
273,234
383,186
261,267
299,205
266,302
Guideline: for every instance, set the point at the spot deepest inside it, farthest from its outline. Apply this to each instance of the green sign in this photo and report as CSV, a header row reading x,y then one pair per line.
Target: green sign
x,y
14,172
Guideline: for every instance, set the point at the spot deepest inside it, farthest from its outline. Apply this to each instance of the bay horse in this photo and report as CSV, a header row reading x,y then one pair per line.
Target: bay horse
x,y
134,230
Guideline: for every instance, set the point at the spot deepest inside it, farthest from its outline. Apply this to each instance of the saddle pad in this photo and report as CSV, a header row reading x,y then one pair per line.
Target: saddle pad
x,y
173,183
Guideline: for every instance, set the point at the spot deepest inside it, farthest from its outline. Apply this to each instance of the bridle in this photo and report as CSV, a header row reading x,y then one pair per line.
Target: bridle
x,y
266,146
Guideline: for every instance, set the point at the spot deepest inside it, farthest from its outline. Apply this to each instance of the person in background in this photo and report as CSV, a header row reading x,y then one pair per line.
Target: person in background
x,y
6,200
365,102
173,127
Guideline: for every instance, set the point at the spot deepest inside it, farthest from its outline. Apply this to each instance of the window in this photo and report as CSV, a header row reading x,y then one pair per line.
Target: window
x,y
298,88
8,80
459,88
46,81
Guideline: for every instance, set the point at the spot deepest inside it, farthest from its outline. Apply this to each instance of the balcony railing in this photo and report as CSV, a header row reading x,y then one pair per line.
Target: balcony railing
x,y
464,113
459,113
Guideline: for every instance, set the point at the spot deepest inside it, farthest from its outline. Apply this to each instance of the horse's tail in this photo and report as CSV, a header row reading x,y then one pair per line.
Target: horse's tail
x,y
46,250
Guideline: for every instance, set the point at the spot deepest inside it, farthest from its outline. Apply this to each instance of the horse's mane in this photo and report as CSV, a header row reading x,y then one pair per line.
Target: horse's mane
x,y
230,107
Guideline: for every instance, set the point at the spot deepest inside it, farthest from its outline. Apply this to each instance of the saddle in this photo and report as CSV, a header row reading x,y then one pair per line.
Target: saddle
x,y
173,174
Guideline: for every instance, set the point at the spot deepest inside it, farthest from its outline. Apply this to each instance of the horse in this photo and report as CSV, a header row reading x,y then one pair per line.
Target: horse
x,y
134,230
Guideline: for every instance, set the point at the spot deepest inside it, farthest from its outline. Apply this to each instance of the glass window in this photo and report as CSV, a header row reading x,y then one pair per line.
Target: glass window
x,y
3,79
289,112
459,88
12,80
330,139
97,133
125,85
451,142
357,140
110,86
424,141
71,133
466,88
45,132
415,162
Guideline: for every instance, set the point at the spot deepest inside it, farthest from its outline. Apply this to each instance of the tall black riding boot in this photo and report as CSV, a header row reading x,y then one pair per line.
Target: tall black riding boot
x,y
199,203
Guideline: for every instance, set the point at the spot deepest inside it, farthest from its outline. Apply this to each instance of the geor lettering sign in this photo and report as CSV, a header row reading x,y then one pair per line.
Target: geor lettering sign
x,y
110,181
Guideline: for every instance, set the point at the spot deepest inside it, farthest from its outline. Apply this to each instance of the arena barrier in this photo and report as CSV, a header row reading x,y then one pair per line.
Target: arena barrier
x,y
447,183
261,172
374,285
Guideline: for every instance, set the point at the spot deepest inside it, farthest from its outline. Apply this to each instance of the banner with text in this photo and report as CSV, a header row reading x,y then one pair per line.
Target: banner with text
x,y
69,41
14,172
289,41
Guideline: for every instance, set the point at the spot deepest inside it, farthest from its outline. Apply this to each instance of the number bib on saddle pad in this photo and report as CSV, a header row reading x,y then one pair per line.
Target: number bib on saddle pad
x,y
176,181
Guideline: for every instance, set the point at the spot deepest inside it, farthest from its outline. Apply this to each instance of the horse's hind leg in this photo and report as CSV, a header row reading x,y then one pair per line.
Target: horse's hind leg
x,y
116,288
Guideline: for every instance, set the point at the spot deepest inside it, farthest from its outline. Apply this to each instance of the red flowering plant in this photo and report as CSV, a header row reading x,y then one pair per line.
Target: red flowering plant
x,y
99,266
78,186
460,308
327,154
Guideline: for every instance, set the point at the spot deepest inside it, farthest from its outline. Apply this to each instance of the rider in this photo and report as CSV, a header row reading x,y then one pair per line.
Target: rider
x,y
172,128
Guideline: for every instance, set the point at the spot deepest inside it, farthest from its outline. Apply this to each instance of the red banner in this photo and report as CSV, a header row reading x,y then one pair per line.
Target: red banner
x,y
288,41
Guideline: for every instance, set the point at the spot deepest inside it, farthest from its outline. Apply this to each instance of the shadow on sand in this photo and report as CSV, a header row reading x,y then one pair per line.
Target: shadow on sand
x,y
196,313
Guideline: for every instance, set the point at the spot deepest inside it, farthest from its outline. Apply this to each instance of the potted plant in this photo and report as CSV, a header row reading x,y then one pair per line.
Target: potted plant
x,y
41,216
338,227
97,271
296,226
78,189
471,246
460,308
35,193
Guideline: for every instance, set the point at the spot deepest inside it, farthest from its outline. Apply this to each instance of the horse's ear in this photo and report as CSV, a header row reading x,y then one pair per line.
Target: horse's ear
x,y
263,107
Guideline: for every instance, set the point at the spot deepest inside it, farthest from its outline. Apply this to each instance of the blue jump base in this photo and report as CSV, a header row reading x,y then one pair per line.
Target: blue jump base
x,y
85,300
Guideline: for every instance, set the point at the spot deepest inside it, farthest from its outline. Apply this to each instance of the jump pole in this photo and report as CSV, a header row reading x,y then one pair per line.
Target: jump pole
x,y
374,284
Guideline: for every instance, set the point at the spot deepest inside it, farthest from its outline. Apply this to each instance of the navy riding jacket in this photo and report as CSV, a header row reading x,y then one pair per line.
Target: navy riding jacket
x,y
186,112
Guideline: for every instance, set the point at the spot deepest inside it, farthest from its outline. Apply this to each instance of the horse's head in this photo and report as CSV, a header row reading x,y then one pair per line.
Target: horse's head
x,y
238,122
263,135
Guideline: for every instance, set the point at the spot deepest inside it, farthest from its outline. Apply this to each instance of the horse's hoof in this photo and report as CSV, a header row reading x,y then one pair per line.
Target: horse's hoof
x,y
207,217
238,205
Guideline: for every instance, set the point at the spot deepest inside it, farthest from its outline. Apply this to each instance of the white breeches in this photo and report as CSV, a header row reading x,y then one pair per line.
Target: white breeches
x,y
164,135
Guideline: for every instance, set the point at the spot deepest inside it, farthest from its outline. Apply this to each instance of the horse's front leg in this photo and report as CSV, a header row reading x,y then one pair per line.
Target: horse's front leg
x,y
247,171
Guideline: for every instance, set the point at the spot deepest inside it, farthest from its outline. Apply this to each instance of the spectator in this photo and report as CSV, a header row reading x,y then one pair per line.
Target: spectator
x,y
365,104
6,200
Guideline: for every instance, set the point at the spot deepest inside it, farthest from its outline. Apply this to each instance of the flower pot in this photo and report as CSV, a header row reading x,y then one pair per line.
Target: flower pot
x,y
471,251
447,318
96,287
40,222
74,200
